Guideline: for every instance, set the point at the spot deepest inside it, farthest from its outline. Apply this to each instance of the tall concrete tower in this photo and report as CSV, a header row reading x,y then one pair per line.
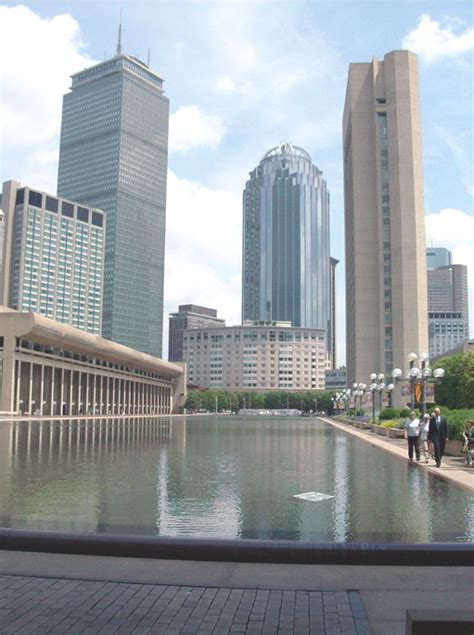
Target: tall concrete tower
x,y
386,294
114,155
286,262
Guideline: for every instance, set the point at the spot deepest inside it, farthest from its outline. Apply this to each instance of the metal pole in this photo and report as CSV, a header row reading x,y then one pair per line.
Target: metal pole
x,y
412,387
373,406
423,387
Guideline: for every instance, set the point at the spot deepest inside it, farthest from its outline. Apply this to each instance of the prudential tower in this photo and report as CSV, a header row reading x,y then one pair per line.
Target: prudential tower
x,y
286,261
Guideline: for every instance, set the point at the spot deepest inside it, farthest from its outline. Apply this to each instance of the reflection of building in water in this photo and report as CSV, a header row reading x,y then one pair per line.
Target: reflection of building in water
x,y
85,475
54,369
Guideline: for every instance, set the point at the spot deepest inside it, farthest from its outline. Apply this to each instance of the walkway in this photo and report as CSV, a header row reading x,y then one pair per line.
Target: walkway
x,y
86,594
452,467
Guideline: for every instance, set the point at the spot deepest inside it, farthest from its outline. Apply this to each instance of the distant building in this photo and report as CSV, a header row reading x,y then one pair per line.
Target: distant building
x,y
386,295
114,155
256,356
465,347
332,328
437,257
446,330
285,260
336,379
53,261
189,316
2,235
448,307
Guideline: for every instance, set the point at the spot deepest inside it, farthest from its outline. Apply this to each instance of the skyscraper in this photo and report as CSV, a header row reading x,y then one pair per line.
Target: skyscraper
x,y
332,334
448,307
386,296
113,155
189,316
437,257
286,268
53,257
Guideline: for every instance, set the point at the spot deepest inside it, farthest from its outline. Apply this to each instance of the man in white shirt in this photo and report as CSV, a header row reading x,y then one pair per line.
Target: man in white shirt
x,y
412,435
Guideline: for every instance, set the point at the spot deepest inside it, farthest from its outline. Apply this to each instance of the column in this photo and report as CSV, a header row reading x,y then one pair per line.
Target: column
x,y
53,379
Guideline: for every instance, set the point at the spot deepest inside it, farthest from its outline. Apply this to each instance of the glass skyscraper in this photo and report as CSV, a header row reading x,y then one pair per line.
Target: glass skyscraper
x,y
54,257
286,262
114,155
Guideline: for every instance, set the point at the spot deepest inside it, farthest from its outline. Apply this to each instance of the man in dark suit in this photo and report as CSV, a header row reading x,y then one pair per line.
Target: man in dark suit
x,y
437,434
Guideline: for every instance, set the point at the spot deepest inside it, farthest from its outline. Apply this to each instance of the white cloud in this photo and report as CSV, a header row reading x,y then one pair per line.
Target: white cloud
x,y
191,128
203,249
225,85
432,41
454,229
37,57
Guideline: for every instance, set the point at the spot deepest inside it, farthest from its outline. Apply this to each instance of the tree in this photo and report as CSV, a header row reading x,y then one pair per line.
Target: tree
x,y
456,390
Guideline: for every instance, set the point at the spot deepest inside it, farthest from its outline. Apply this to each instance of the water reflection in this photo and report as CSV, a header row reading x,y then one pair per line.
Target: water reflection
x,y
220,477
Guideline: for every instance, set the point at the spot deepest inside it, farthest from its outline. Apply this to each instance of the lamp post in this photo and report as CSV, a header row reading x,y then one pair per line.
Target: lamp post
x,y
372,389
414,374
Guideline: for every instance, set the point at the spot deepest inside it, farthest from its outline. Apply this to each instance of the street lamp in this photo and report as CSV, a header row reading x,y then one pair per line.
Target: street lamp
x,y
414,374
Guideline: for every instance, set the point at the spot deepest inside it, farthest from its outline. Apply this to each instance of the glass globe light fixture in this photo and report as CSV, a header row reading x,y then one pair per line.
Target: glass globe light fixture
x,y
439,373
412,357
381,386
390,387
355,385
397,373
406,374
427,372
373,387
415,372
424,357
373,376
380,376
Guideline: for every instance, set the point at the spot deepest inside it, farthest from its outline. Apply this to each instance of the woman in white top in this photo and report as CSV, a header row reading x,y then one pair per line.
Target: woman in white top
x,y
412,435
425,424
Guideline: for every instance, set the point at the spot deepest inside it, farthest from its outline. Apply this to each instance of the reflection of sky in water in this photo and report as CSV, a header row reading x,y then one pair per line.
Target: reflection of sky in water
x,y
224,477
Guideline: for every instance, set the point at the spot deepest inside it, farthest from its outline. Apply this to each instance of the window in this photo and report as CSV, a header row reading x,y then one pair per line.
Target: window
x,y
67,209
83,214
35,199
20,196
51,204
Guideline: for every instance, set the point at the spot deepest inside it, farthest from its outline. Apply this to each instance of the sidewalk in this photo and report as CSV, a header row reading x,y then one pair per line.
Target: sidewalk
x,y
86,594
452,467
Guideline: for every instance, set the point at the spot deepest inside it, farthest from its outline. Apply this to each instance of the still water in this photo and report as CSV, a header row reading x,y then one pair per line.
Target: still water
x,y
222,477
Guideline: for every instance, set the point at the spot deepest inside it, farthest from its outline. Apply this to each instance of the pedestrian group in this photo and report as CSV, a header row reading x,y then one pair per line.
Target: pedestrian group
x,y
432,430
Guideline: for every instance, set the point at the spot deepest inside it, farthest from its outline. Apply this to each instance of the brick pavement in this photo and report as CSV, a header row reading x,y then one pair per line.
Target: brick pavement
x,y
37,605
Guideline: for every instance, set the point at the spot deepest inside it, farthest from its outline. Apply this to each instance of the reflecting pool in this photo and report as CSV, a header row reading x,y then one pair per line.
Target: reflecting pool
x,y
222,477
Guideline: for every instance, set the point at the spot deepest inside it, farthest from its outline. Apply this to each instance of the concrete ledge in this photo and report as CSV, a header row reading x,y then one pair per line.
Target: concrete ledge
x,y
428,622
262,551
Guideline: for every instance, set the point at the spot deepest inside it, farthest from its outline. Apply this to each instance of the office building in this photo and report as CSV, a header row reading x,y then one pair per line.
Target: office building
x,y
53,257
448,307
54,369
2,235
114,155
438,257
332,323
285,261
189,316
336,379
256,356
447,329
386,295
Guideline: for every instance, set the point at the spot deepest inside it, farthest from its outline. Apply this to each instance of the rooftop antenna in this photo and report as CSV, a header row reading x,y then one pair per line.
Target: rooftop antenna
x,y
148,59
119,41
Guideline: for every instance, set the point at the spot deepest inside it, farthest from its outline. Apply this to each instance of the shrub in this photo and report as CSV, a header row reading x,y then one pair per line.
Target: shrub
x,y
388,413
390,423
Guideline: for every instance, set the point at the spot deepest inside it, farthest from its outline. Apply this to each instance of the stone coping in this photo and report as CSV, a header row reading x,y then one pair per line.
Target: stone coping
x,y
257,551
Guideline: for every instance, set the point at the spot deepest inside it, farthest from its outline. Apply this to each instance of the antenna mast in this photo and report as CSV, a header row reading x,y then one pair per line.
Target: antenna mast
x,y
119,41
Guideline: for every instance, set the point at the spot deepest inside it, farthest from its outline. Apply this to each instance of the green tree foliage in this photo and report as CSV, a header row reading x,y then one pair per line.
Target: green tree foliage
x,y
456,390
275,399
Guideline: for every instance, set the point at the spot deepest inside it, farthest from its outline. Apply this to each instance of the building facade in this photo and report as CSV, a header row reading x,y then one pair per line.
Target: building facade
x,y
256,356
332,330
285,261
386,284
336,379
53,369
53,257
438,257
189,316
447,329
114,156
448,307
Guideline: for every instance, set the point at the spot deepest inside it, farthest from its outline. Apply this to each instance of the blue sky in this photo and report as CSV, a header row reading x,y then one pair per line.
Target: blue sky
x,y
241,77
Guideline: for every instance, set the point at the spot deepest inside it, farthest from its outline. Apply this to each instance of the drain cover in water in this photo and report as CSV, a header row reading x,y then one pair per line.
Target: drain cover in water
x,y
313,497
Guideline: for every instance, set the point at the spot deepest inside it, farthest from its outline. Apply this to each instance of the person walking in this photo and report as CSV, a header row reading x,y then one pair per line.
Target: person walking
x,y
468,447
437,434
425,425
412,435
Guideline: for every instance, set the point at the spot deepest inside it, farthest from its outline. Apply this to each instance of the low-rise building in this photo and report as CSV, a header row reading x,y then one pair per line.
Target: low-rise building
x,y
336,379
189,316
258,355
54,369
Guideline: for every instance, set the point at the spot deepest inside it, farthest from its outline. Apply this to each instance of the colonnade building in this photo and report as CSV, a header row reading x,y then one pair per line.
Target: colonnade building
x,y
54,369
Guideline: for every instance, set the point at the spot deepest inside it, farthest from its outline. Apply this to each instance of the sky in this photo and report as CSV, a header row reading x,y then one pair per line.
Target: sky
x,y
243,76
